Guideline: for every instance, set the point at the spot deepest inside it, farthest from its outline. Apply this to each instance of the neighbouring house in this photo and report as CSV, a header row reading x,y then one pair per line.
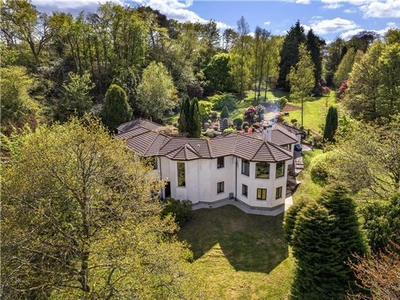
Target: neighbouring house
x,y
248,170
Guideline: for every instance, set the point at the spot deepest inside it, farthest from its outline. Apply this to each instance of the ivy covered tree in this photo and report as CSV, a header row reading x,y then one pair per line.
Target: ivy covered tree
x,y
331,124
116,109
79,221
325,236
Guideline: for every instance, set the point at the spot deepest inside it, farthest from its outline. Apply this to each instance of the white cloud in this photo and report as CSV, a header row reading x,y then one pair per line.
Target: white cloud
x,y
348,34
336,25
332,6
382,9
267,23
352,2
349,11
71,4
303,1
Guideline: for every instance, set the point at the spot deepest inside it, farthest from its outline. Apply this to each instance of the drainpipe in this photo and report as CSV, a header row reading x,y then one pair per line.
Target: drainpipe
x,y
236,165
161,188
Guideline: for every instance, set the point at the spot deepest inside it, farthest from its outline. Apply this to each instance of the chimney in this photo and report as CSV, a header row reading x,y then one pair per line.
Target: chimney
x,y
267,128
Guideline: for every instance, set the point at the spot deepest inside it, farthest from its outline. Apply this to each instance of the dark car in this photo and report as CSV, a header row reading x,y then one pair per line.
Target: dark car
x,y
298,148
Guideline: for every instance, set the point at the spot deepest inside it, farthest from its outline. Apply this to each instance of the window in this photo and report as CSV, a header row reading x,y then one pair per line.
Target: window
x,y
220,187
280,169
181,174
261,194
245,167
244,190
278,193
288,147
220,162
262,170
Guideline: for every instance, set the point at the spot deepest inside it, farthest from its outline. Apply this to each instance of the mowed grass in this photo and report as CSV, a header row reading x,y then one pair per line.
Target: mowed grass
x,y
314,112
240,256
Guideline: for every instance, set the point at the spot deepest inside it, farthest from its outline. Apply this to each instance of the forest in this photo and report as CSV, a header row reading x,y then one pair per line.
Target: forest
x,y
80,218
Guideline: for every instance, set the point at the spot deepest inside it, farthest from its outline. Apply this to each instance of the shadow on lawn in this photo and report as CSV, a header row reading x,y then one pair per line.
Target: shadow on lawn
x,y
249,242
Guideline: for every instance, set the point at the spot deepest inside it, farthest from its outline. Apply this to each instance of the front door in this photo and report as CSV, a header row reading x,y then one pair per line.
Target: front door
x,y
167,190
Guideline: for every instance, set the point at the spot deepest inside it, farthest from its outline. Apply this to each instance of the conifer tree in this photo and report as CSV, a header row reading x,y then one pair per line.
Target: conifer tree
x,y
190,118
224,112
184,115
325,236
116,109
331,124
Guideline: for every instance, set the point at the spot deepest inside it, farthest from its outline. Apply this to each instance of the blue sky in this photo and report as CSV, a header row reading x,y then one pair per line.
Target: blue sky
x,y
328,18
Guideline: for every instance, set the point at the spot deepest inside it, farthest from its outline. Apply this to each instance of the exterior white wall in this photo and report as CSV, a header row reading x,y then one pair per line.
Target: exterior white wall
x,y
202,176
254,183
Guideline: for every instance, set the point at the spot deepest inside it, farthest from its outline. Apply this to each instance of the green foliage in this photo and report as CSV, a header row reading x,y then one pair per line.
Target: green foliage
x,y
79,222
301,78
190,118
331,124
289,53
344,68
369,158
76,98
321,165
281,102
224,112
218,75
238,122
116,109
156,93
325,236
205,108
219,101
290,220
17,106
181,211
314,46
381,222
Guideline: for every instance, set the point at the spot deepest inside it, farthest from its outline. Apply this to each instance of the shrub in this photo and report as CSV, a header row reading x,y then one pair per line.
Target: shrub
x,y
230,129
219,101
238,122
224,112
180,210
320,166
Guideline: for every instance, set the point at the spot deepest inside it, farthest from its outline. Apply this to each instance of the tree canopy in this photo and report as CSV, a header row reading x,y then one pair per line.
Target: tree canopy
x,y
79,221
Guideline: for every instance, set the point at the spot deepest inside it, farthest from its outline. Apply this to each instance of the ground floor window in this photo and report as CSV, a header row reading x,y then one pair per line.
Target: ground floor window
x,y
220,187
181,174
261,194
244,190
278,193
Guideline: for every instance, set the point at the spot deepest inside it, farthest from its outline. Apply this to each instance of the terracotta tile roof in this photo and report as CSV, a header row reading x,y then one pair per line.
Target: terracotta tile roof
x,y
147,142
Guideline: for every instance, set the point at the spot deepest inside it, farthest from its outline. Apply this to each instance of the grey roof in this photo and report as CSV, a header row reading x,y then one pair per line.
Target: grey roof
x,y
292,129
124,127
147,142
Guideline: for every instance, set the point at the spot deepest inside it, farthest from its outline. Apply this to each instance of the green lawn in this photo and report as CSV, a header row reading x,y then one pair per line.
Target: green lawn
x,y
314,112
240,256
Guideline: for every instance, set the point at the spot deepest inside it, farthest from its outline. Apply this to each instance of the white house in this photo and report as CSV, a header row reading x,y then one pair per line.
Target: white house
x,y
247,170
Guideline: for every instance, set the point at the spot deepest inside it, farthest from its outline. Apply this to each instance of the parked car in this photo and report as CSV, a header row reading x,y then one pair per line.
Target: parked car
x,y
298,148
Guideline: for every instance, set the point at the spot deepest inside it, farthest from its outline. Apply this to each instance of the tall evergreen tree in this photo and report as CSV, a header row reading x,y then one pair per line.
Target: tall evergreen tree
x,y
314,46
325,236
190,118
331,124
290,53
116,109
224,112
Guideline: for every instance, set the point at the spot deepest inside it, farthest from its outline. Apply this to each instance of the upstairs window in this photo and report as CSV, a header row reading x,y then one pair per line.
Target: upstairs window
x,y
280,169
262,170
181,174
245,167
220,162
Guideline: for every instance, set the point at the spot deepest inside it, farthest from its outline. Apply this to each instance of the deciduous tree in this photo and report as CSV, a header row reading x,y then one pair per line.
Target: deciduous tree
x,y
79,221
156,93
301,79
